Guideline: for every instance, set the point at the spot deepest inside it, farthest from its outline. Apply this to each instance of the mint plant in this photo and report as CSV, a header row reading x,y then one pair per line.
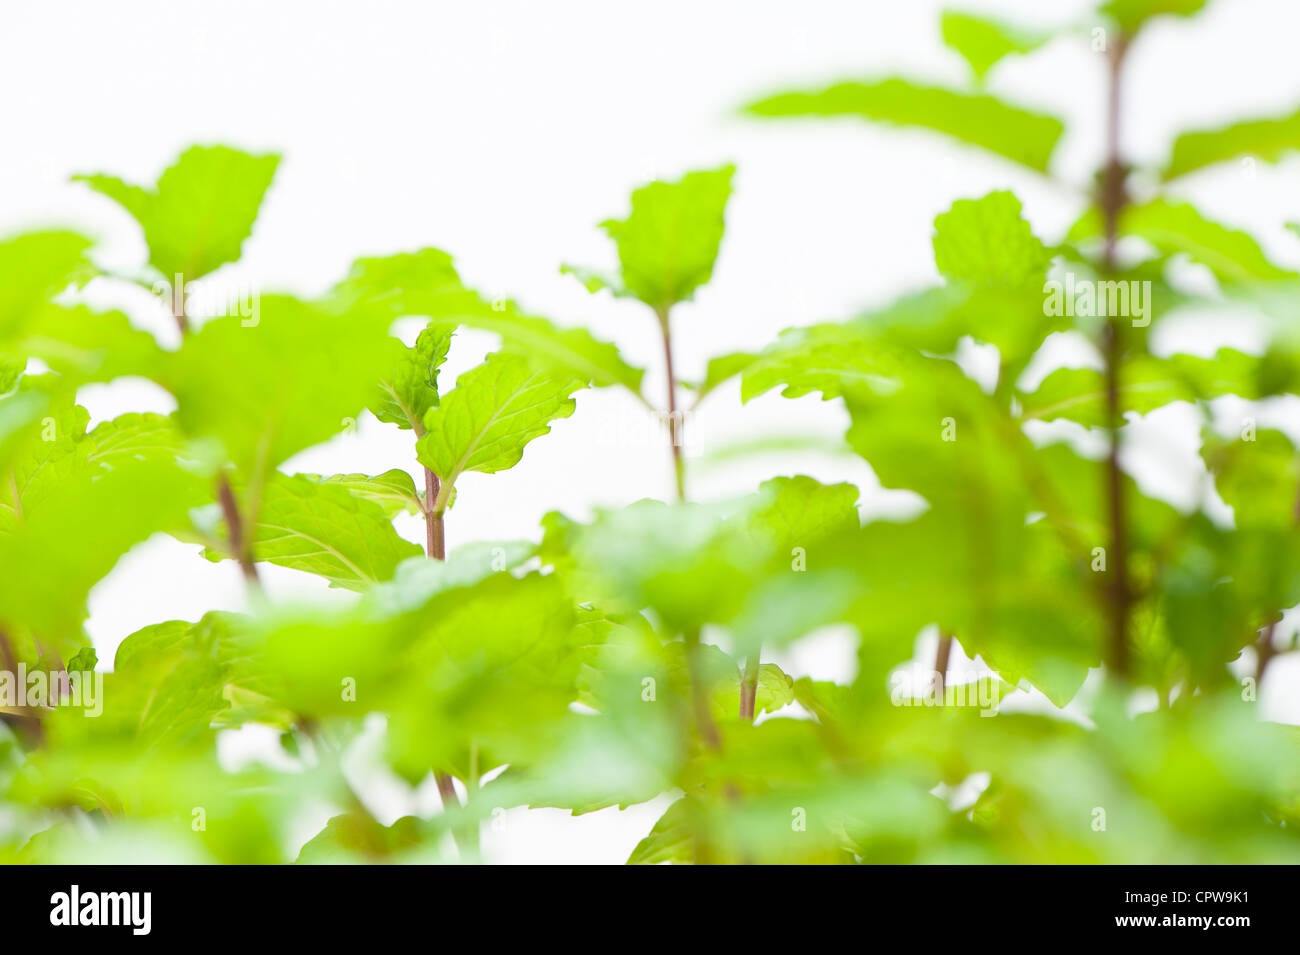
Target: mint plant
x,y
607,659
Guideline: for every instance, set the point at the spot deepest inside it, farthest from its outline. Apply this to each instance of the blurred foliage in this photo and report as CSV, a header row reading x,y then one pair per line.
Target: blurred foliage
x,y
609,661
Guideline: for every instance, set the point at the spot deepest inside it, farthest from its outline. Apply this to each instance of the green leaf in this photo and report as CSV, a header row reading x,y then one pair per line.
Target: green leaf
x,y
352,838
775,690
835,359
692,564
322,528
426,283
978,120
267,391
1132,15
34,267
172,680
559,351
83,660
61,487
800,511
1147,383
982,42
987,242
671,840
668,243
394,491
484,423
411,388
203,207
1266,139
1177,227
721,370
89,346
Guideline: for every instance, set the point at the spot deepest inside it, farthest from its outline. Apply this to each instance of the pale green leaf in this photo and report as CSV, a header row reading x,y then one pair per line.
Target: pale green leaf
x,y
987,242
484,423
983,41
668,243
978,120
203,207
1266,139
322,528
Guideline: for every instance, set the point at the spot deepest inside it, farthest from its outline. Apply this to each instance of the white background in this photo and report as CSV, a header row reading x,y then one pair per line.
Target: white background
x,y
504,131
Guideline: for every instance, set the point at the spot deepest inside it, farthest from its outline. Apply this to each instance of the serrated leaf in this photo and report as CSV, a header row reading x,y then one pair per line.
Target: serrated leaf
x,y
426,283
484,423
799,511
978,120
834,359
322,528
988,243
672,839
83,660
394,491
172,680
200,211
668,243
411,388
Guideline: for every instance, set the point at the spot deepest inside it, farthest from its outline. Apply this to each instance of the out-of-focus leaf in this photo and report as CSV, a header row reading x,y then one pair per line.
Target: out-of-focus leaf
x,y
198,214
1132,15
1177,227
983,42
987,242
323,528
394,491
88,345
1016,134
118,480
1266,139
34,267
267,391
668,243
1147,383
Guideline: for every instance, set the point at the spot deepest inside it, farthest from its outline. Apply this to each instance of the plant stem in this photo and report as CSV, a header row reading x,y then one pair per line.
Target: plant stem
x,y
749,686
178,310
675,423
434,536
240,544
1113,199
436,548
941,654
